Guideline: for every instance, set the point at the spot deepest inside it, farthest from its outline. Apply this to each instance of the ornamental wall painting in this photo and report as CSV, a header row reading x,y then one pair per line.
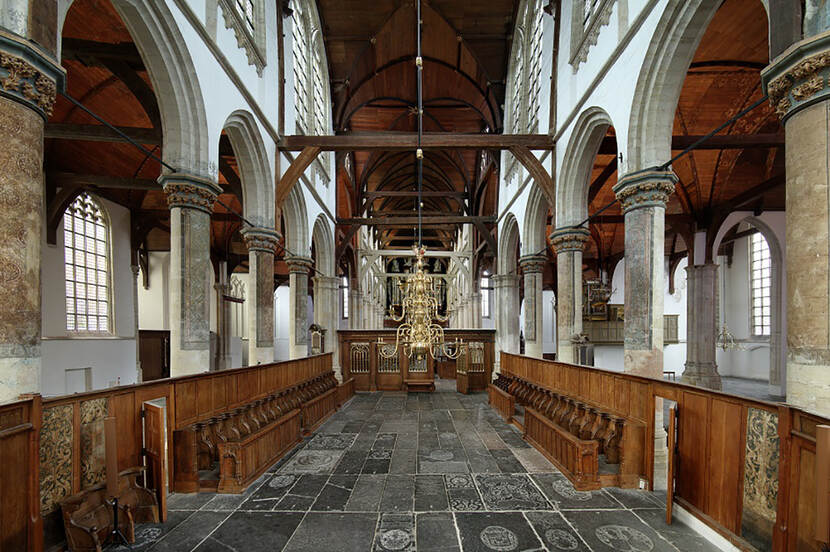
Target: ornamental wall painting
x,y
93,448
55,457
760,478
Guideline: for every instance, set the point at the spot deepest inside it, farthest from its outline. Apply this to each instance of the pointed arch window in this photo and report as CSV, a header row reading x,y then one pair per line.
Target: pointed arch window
x,y
86,241
311,90
760,285
526,76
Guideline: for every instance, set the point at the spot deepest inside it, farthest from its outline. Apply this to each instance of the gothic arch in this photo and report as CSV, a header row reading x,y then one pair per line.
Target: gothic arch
x,y
296,224
509,242
583,146
535,223
173,75
254,172
322,238
674,43
778,310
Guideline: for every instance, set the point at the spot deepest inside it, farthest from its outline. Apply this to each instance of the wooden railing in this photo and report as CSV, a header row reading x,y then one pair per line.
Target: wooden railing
x,y
345,391
360,359
745,467
72,426
578,459
21,525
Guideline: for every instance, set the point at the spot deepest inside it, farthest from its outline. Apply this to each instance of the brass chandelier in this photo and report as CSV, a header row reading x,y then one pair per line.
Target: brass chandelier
x,y
419,333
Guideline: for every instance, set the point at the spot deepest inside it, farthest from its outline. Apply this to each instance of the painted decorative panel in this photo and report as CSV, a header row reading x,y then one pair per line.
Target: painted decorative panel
x,y
55,457
93,449
760,478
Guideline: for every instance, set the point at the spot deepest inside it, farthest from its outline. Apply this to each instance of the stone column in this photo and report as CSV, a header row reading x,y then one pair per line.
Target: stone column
x,y
701,326
476,303
532,268
298,268
261,243
326,315
190,199
569,244
223,319
507,314
797,85
643,197
354,303
139,374
28,77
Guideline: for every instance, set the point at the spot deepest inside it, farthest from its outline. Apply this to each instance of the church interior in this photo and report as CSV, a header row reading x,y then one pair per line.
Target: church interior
x,y
415,275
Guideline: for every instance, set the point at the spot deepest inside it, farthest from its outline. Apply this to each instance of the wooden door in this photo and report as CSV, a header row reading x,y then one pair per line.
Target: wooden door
x,y
154,454
154,352
672,459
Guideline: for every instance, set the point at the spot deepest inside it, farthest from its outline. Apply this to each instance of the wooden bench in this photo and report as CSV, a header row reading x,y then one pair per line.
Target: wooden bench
x,y
574,434
419,385
199,461
87,516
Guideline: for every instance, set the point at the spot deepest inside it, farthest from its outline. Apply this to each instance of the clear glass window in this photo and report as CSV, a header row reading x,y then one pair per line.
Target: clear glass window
x,y
760,284
86,266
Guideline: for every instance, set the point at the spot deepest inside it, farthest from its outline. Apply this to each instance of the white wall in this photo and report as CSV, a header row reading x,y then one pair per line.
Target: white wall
x,y
548,321
154,301
111,358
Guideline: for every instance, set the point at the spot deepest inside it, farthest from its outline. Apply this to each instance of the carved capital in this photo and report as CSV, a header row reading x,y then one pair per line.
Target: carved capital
x,y
533,263
505,280
569,239
189,191
29,75
299,265
799,77
650,188
261,239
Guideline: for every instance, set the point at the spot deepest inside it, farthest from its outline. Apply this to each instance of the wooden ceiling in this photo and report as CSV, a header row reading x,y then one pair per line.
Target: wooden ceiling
x,y
723,80
371,48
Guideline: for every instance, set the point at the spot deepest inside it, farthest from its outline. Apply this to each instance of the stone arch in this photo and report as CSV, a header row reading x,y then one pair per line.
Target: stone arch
x,y
535,223
509,242
572,191
296,224
176,86
674,43
323,247
254,171
778,334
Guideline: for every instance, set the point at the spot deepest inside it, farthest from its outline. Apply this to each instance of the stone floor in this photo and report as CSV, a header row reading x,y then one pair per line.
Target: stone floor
x,y
434,472
743,387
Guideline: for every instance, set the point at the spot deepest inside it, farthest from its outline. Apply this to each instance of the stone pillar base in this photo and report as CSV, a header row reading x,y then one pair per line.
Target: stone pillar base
x,y
808,386
18,376
702,374
185,363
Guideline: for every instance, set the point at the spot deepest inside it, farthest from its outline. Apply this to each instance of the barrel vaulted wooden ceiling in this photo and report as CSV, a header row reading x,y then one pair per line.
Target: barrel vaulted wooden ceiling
x,y
371,48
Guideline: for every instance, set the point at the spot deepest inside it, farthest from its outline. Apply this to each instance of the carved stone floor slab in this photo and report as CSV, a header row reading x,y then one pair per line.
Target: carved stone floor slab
x,y
427,473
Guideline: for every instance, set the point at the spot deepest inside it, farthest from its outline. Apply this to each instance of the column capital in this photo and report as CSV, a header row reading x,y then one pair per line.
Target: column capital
x,y
798,77
299,265
648,188
532,264
28,74
190,191
569,239
260,239
327,281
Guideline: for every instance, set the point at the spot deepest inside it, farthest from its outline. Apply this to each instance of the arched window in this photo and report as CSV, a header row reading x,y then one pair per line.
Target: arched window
x,y
344,301
522,114
485,295
311,90
760,285
87,266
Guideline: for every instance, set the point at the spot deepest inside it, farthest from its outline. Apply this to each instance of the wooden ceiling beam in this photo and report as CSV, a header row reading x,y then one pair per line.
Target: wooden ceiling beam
x,y
409,141
726,141
100,133
374,194
67,179
413,221
88,50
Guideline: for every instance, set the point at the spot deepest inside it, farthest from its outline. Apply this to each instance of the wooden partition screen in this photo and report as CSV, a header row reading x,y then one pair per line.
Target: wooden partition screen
x,y
360,359
747,468
68,454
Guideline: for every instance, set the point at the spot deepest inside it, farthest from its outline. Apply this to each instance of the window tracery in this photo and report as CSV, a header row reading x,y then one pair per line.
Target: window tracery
x,y
87,266
247,20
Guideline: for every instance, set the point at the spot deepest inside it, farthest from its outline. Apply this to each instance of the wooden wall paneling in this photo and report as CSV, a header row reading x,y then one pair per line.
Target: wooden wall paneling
x,y
725,460
186,403
639,402
20,523
622,395
123,407
204,397
806,498
692,456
